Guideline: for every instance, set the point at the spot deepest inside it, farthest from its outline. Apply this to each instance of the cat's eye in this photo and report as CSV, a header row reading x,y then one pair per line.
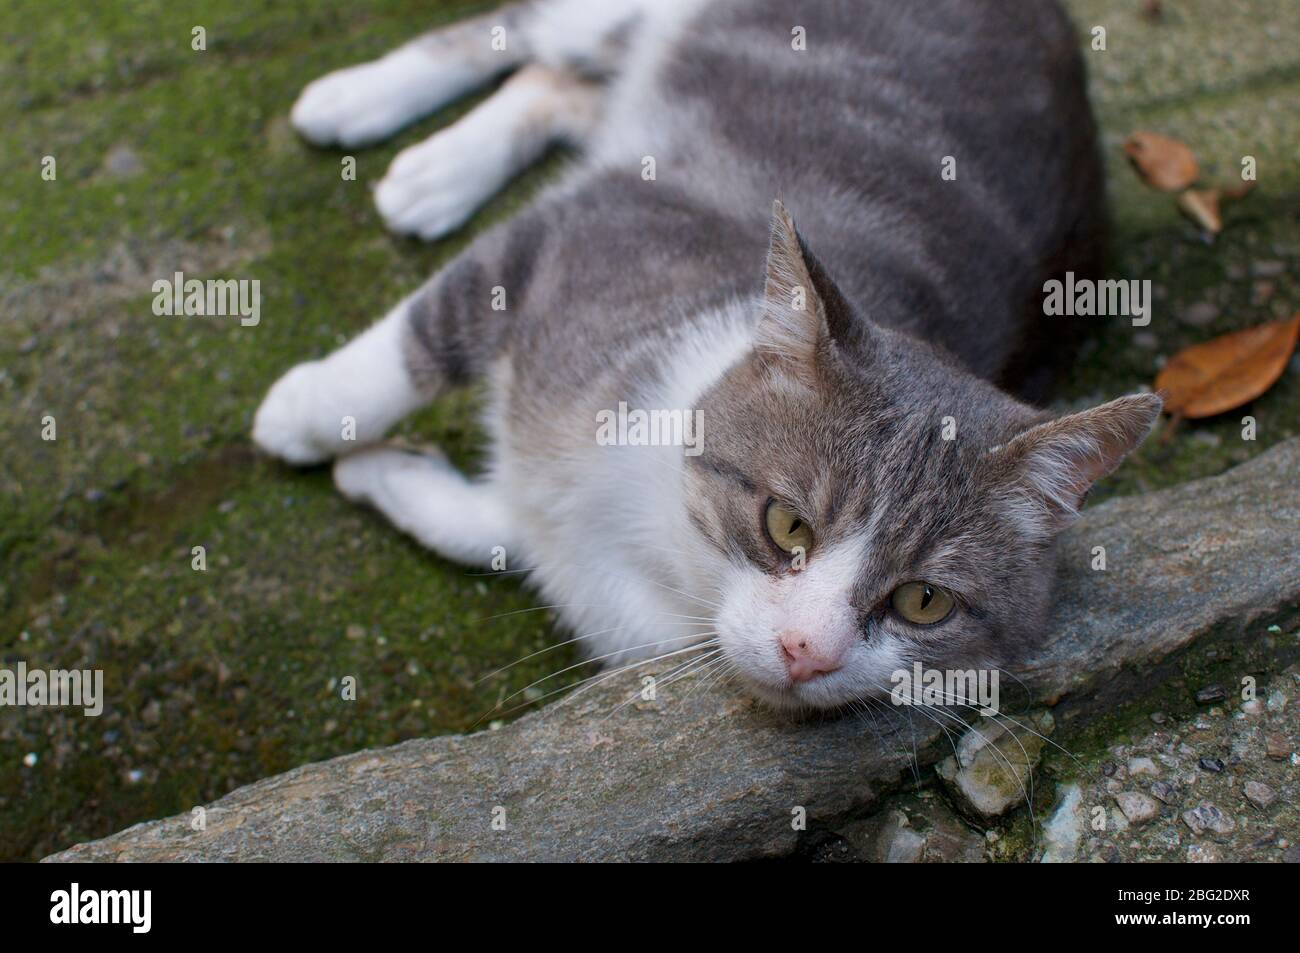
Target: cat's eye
x,y
787,528
921,603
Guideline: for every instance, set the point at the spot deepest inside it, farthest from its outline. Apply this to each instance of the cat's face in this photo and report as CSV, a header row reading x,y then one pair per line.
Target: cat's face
x,y
866,505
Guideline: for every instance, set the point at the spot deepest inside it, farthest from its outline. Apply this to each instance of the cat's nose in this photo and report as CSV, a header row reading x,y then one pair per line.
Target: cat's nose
x,y
804,658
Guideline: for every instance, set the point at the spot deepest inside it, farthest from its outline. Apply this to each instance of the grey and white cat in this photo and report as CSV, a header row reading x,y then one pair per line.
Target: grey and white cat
x,y
828,532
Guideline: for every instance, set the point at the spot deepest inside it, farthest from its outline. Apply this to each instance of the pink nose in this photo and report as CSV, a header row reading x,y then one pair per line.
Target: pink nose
x,y
803,660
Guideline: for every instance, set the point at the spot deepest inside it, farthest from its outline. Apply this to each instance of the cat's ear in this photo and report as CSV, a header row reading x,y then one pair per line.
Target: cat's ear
x,y
1054,464
803,310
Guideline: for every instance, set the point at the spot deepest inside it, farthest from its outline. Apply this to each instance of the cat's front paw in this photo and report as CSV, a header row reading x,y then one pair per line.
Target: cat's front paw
x,y
287,423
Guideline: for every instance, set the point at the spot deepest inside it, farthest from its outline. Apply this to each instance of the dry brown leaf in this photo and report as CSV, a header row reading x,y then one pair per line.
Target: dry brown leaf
x,y
1202,205
1164,163
1226,372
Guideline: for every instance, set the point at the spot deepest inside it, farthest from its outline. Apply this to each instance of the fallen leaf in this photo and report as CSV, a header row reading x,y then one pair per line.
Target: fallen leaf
x,y
1202,205
1164,163
1226,372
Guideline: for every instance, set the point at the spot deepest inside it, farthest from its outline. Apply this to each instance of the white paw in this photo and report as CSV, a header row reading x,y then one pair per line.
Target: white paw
x,y
363,104
432,188
362,476
288,425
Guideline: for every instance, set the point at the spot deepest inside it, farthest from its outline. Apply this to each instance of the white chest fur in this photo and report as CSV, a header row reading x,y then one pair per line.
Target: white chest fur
x,y
603,527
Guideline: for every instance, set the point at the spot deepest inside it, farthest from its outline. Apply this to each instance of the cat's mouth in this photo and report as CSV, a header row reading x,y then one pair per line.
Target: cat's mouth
x,y
788,672
823,691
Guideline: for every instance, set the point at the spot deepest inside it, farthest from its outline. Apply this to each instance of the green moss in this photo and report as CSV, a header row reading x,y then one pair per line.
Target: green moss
x,y
1186,272
1080,750
213,678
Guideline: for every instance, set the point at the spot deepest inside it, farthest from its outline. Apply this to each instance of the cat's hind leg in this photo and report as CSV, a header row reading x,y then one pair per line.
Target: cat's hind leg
x,y
433,187
424,496
370,101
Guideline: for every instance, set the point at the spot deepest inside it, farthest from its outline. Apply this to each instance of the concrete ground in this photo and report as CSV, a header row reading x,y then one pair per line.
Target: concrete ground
x,y
171,160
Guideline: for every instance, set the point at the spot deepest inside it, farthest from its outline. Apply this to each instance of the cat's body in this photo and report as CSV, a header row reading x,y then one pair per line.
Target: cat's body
x,y
825,385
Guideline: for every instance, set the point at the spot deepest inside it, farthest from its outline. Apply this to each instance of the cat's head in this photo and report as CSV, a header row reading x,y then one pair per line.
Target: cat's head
x,y
867,504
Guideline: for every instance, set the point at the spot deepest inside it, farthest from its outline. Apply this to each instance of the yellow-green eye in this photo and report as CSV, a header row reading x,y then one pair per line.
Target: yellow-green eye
x,y
787,528
921,603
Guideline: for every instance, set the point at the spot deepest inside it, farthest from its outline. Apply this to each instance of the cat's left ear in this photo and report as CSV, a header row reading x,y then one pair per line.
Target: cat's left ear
x,y
1054,464
803,311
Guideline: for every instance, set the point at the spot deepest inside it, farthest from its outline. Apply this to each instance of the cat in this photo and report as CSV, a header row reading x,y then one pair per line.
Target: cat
x,y
870,487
